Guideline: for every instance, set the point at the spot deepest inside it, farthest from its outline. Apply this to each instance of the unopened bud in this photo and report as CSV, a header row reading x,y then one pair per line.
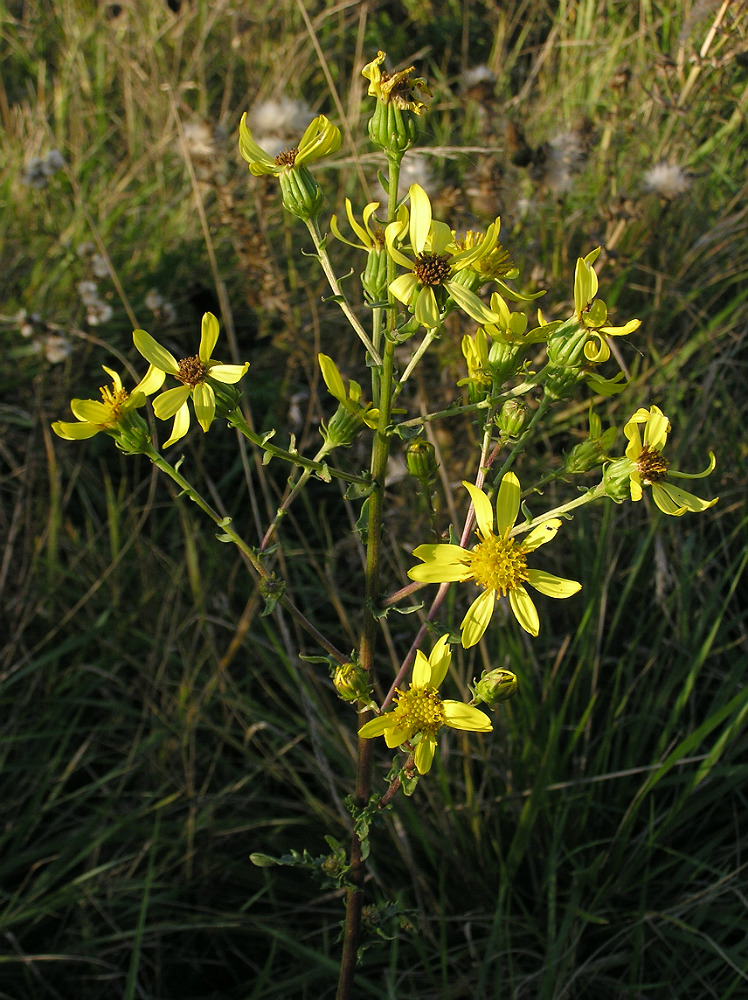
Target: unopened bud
x,y
420,458
302,195
374,278
351,682
512,418
494,687
617,479
566,347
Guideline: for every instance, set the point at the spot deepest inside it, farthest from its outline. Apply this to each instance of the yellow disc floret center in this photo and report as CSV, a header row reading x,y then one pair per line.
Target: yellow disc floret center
x,y
499,563
652,466
114,399
420,709
191,371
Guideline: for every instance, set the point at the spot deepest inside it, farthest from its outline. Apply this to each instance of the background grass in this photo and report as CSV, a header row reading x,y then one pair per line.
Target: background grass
x,y
156,729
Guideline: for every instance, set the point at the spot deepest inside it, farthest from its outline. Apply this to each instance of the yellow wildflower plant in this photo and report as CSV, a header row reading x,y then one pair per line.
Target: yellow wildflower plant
x,y
497,564
649,468
113,412
432,265
195,375
320,139
420,712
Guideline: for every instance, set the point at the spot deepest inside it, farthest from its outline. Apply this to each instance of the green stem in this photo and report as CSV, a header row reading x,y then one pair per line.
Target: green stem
x,y
593,493
380,453
342,301
296,488
247,551
236,419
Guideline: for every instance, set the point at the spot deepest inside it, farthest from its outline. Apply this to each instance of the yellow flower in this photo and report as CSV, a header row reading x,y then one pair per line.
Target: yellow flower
x,y
351,414
648,467
395,88
420,713
195,374
113,413
433,266
320,138
371,239
593,313
497,564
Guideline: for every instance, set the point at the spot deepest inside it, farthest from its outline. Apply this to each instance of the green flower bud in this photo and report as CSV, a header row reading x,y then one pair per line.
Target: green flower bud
x,y
590,453
617,481
393,129
566,347
302,195
494,687
374,278
351,683
560,382
420,457
512,418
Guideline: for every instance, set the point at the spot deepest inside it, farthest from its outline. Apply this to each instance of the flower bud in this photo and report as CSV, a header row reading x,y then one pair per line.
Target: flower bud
x,y
616,479
420,457
494,687
302,195
374,278
343,428
590,453
351,682
512,418
566,347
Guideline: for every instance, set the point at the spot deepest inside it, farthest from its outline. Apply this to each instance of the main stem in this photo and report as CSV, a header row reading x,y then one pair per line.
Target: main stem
x,y
383,387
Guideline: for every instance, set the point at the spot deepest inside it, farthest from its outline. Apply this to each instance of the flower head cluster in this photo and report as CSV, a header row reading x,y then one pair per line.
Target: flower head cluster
x,y
198,376
497,564
435,263
420,712
645,465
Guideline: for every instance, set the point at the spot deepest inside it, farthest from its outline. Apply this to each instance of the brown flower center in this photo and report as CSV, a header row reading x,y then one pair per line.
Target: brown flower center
x,y
652,466
432,268
191,371
287,158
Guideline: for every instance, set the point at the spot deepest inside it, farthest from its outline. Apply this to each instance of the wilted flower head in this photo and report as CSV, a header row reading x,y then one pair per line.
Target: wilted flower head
x,y
395,88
